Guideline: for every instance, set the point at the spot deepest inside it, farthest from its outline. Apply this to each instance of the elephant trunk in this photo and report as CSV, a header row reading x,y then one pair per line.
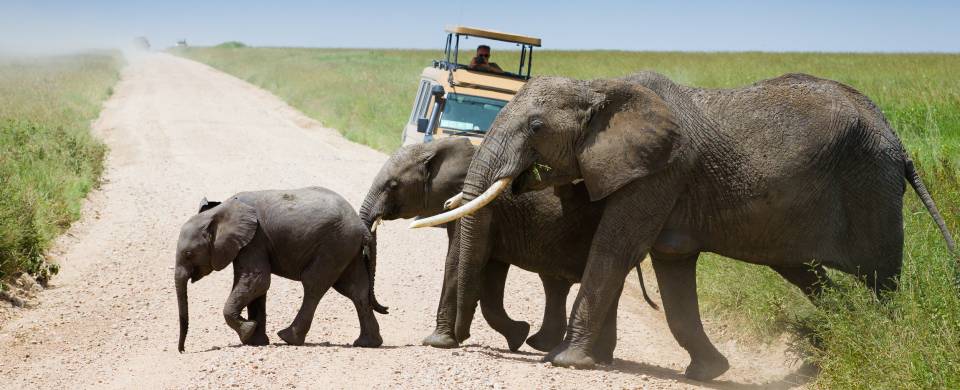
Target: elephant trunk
x,y
371,211
370,259
474,253
181,277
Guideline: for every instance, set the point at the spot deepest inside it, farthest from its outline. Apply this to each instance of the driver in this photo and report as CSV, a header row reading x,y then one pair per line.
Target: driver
x,y
482,61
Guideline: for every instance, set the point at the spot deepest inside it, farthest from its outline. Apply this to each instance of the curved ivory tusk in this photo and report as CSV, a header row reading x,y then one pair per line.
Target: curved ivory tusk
x,y
472,206
373,229
453,202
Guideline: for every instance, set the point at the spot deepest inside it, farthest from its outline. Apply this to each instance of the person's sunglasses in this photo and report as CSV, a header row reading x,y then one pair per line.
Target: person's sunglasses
x,y
483,55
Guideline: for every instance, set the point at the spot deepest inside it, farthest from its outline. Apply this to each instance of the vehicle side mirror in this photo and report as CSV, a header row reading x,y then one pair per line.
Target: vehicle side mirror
x,y
422,124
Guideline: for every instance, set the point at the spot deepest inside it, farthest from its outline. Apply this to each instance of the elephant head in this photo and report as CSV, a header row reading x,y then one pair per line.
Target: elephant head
x,y
416,180
556,130
209,241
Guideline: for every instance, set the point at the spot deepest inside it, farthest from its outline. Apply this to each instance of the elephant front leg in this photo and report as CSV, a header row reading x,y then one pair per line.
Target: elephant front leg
x,y
257,311
625,234
491,305
607,339
248,287
677,278
443,336
554,323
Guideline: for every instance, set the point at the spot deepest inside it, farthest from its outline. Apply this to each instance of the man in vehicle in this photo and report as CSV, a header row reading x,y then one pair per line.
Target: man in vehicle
x,y
482,61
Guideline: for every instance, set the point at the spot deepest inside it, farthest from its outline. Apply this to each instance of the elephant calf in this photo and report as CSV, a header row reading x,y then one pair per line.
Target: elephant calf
x,y
311,235
539,231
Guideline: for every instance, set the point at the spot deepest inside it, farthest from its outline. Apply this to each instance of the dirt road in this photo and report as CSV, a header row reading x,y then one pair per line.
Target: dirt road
x,y
178,131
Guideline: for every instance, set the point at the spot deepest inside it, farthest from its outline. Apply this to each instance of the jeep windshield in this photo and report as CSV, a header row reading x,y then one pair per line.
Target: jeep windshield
x,y
467,115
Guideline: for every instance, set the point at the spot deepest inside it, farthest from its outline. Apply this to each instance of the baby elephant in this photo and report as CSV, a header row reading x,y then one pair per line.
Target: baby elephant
x,y
311,235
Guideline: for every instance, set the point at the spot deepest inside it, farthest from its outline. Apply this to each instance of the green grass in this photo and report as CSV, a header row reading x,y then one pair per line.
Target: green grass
x,y
912,340
48,159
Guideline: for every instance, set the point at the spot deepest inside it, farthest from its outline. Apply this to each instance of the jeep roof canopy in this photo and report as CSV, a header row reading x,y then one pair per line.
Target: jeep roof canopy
x,y
452,48
495,35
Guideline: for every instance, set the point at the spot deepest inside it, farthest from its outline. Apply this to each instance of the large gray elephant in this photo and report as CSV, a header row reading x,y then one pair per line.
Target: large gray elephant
x,y
311,235
787,172
537,231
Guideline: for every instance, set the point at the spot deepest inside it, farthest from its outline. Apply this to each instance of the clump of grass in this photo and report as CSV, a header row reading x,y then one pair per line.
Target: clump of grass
x,y
48,159
910,340
231,45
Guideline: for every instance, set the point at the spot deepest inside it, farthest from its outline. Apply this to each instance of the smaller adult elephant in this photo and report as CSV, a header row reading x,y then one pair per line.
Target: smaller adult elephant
x,y
311,235
541,232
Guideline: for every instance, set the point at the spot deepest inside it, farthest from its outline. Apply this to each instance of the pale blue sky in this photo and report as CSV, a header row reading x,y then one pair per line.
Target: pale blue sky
x,y
43,26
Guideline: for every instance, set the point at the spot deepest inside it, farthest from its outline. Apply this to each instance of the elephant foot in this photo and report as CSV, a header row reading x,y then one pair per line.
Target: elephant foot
x,y
246,331
544,343
368,341
573,357
707,369
604,357
517,335
258,340
290,336
440,340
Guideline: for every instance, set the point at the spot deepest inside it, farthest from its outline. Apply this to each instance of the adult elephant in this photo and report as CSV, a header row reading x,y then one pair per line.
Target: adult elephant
x,y
781,173
538,231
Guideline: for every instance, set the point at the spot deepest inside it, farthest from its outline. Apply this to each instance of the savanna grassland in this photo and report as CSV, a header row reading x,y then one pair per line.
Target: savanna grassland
x,y
48,158
909,340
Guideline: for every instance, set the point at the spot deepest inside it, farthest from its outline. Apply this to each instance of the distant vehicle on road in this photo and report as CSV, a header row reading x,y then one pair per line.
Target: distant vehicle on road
x,y
454,100
182,43
141,43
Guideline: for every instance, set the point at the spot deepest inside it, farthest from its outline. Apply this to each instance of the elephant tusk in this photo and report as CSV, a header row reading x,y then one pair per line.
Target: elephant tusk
x,y
453,202
472,206
373,228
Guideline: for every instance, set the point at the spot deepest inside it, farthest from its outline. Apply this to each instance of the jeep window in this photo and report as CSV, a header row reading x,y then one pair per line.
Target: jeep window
x,y
469,113
421,103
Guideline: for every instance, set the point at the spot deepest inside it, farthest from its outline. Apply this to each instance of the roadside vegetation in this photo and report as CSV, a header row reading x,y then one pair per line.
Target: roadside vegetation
x,y
48,158
910,340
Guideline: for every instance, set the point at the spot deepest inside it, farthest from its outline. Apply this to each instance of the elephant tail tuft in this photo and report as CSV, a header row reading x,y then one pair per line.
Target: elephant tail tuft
x,y
370,260
917,184
643,288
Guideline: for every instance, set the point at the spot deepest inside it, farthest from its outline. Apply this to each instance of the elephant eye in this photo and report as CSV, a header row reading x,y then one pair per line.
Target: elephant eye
x,y
536,124
393,184
187,253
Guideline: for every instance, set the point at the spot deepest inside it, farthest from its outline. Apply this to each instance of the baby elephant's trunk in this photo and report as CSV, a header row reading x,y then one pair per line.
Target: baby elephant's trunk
x,y
370,259
181,284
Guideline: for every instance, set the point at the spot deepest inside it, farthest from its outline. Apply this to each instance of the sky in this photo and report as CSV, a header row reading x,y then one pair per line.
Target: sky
x,y
40,26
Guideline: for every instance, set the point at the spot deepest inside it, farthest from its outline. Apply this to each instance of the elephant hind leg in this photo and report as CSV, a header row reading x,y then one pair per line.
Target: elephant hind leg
x,y
316,281
354,283
677,277
491,304
809,279
554,324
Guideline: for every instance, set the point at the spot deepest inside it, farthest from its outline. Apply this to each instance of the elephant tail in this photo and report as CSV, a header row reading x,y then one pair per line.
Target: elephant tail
x,y
917,184
370,260
643,288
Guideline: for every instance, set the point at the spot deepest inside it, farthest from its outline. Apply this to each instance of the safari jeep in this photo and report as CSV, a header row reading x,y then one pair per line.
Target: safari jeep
x,y
455,101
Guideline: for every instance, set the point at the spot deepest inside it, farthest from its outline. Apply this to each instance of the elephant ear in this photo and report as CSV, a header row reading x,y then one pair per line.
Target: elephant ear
x,y
630,133
232,228
207,205
445,163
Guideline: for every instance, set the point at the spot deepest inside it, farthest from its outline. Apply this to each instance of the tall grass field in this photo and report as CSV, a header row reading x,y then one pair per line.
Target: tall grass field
x,y
911,339
48,159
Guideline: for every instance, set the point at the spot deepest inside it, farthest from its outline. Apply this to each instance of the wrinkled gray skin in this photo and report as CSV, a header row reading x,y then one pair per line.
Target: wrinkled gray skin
x,y
780,173
537,231
311,235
